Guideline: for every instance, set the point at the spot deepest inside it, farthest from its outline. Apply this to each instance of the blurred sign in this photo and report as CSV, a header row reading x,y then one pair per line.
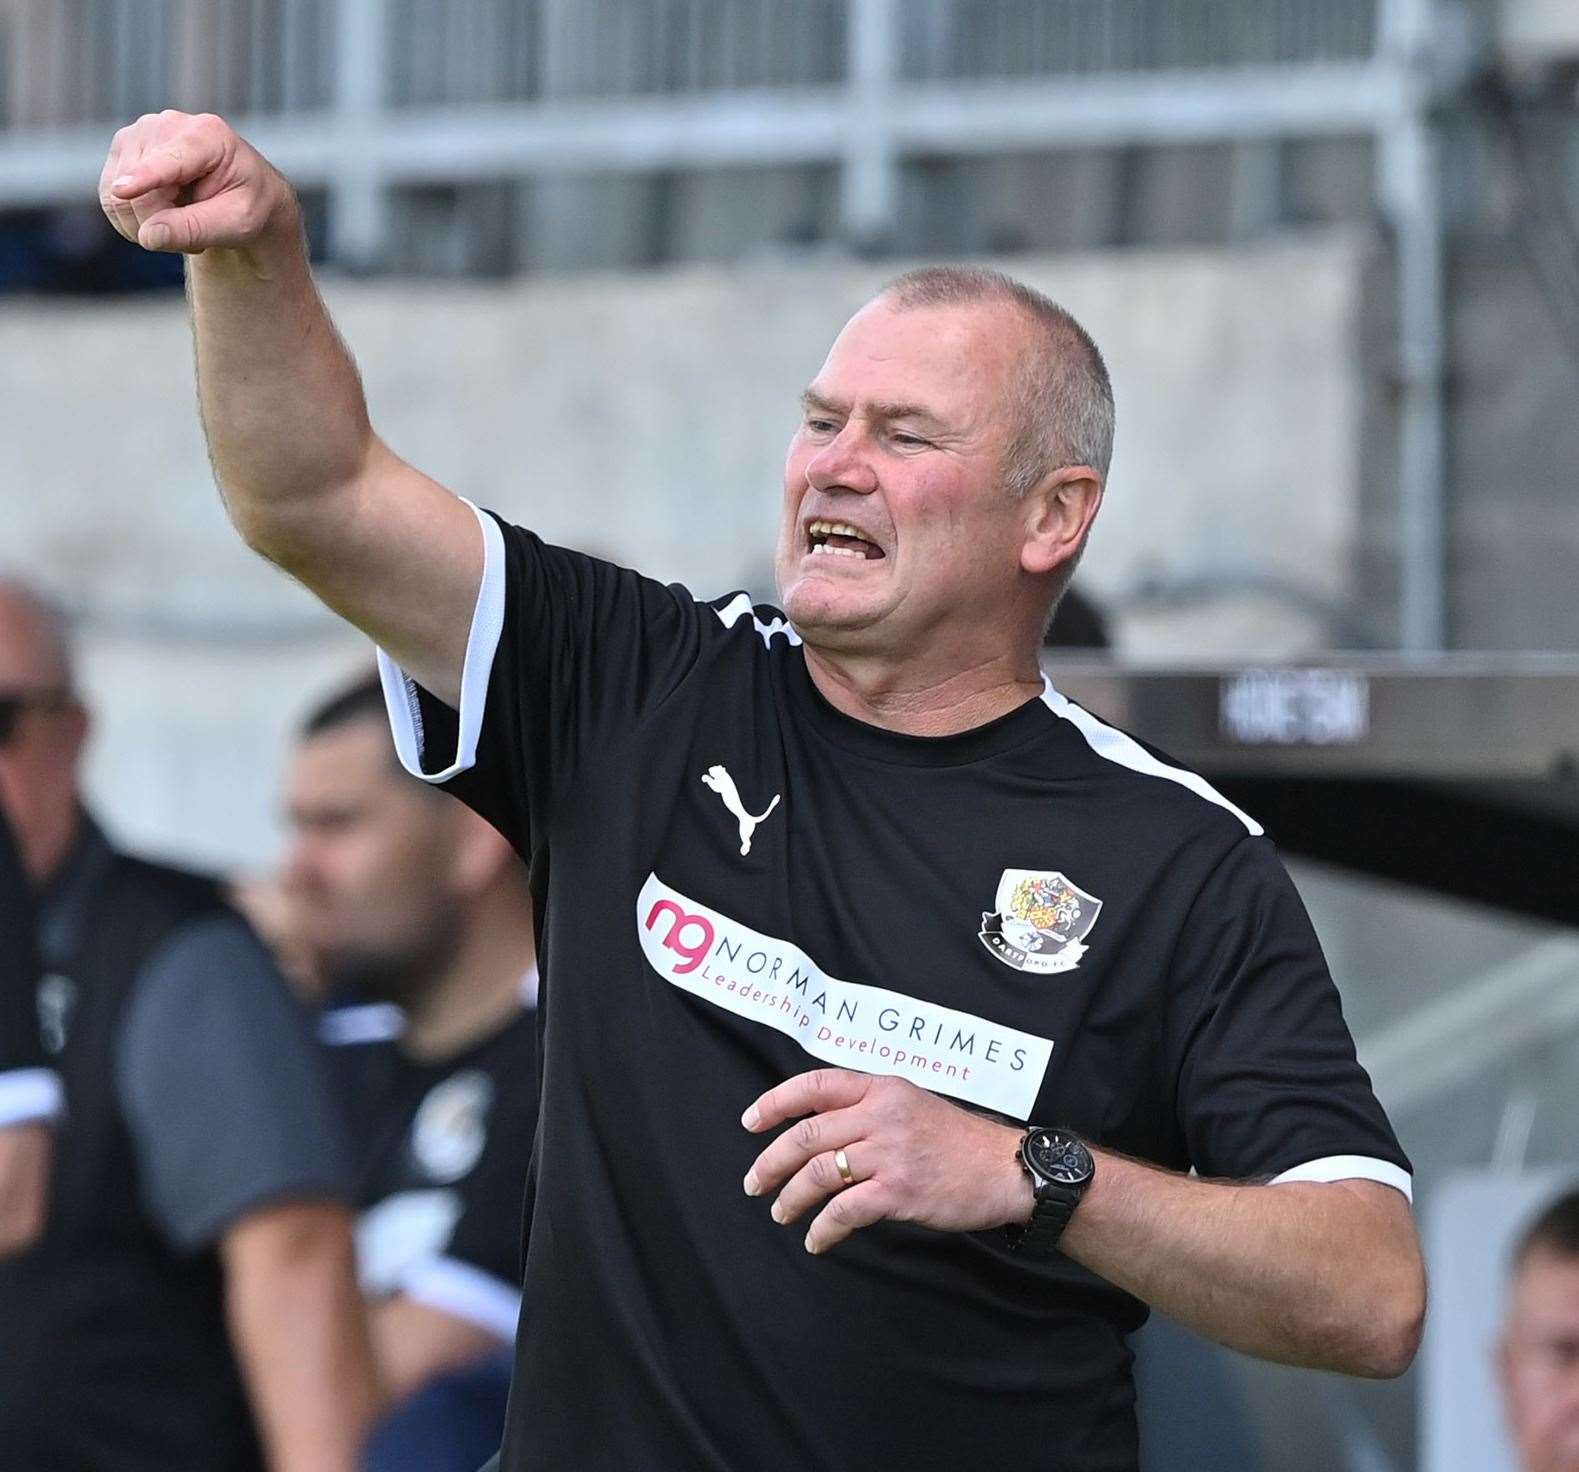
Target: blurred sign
x,y
1294,708
1535,31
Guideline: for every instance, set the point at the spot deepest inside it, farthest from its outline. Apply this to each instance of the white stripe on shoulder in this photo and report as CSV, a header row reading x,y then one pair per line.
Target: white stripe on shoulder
x,y
363,1022
1350,1168
482,643
740,607
30,1095
466,1291
1115,746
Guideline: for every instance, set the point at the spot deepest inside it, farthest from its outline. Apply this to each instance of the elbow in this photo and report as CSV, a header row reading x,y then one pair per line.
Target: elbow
x,y
301,515
1393,1332
270,529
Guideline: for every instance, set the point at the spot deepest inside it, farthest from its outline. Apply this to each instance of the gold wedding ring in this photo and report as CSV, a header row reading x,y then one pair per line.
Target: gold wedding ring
x,y
842,1161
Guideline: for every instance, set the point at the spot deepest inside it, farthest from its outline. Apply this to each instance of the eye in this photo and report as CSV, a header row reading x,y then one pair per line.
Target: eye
x,y
821,426
909,440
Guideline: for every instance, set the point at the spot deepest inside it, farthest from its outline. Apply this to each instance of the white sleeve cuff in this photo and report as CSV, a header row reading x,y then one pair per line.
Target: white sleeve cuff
x,y
400,696
467,1292
29,1095
1351,1168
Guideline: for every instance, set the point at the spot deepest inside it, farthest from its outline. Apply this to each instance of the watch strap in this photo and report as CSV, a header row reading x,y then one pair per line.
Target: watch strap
x,y
1054,1206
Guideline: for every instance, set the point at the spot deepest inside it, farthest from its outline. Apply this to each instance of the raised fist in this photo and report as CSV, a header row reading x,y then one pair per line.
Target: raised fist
x,y
179,181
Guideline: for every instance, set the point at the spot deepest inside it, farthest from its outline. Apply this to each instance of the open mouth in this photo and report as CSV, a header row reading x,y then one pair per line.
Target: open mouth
x,y
840,539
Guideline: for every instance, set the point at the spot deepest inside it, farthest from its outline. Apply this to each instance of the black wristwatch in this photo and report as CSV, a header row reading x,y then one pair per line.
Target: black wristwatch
x,y
1061,1169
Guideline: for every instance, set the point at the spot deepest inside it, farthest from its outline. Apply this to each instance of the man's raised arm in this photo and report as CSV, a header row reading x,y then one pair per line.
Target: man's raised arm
x,y
307,482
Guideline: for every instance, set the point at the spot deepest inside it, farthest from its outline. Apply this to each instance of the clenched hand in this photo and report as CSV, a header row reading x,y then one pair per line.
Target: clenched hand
x,y
912,1157
175,181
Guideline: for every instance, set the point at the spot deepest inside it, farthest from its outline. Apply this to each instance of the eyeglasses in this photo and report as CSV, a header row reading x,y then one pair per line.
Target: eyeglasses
x,y
14,703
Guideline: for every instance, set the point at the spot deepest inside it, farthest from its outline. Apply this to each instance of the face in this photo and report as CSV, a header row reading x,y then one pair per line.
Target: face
x,y
896,533
371,871
1540,1363
42,732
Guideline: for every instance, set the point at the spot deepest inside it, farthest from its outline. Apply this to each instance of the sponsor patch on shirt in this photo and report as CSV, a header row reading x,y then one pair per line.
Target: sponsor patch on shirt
x,y
846,1023
1041,922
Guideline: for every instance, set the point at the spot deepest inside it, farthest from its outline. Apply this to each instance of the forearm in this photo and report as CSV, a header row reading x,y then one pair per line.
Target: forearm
x,y
414,1344
1327,1276
297,1323
282,402
25,1154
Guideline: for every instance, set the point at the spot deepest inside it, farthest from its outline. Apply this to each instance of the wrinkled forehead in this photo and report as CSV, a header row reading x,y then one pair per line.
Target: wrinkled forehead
x,y
957,358
32,651
1546,1294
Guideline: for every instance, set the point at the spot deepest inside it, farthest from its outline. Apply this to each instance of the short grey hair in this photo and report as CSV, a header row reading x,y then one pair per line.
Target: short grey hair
x,y
1062,398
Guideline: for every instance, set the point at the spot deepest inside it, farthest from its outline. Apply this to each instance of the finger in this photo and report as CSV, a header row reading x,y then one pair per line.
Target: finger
x,y
846,1214
173,164
222,220
146,206
819,1179
807,1093
118,212
799,1143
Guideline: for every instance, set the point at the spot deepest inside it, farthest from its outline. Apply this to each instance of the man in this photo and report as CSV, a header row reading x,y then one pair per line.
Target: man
x,y
29,1089
1538,1358
191,1303
406,898
861,833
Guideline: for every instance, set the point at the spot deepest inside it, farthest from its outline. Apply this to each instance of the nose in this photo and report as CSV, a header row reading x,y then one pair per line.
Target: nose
x,y
844,463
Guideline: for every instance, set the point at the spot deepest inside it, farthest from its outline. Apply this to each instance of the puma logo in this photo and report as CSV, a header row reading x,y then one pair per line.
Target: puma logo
x,y
723,784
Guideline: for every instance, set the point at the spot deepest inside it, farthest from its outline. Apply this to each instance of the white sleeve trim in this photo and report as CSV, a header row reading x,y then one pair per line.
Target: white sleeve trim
x,y
482,643
465,1291
30,1094
1351,1168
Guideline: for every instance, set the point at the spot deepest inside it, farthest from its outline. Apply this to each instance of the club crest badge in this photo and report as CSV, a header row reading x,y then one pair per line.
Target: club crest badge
x,y
451,1127
1041,922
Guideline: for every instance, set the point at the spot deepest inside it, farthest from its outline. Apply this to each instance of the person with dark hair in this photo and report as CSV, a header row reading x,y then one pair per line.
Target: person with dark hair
x,y
849,921
411,903
1078,623
1538,1356
190,1304
29,1087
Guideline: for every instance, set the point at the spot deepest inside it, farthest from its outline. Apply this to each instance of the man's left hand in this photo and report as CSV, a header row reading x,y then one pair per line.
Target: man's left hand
x,y
912,1157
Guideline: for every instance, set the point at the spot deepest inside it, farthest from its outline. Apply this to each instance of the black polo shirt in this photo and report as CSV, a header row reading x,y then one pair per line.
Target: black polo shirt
x,y
441,1148
1040,917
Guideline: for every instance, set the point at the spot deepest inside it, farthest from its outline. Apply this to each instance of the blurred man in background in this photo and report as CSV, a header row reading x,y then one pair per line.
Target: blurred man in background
x,y
29,1088
191,1304
404,898
1539,1354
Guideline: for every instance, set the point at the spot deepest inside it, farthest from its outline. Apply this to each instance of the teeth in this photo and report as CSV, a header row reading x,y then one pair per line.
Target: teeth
x,y
822,549
835,529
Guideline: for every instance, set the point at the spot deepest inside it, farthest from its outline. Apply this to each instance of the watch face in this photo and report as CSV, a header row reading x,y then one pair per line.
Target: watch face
x,y
1058,1157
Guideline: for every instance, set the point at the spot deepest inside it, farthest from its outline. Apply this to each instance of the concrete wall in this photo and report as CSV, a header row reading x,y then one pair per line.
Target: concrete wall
x,y
644,417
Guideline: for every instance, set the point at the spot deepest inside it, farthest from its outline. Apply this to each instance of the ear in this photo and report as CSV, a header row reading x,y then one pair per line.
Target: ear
x,y
1058,516
480,852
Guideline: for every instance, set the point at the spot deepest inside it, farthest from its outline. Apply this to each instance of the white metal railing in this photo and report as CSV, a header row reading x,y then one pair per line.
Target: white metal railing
x,y
1030,38
359,96
68,62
